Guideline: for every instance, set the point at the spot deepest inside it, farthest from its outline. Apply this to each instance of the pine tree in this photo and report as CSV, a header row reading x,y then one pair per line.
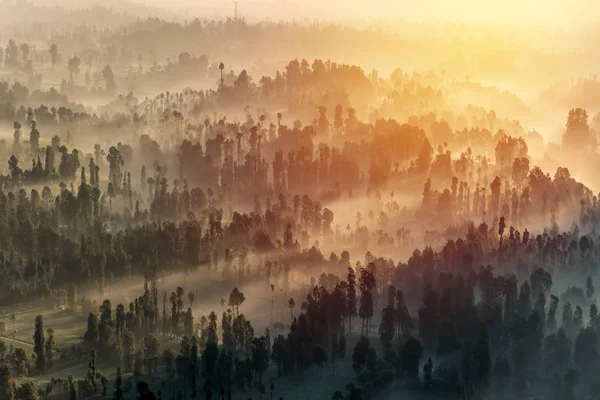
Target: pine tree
x,y
118,385
143,178
367,284
260,356
403,317
388,322
212,328
104,382
6,383
151,352
73,389
138,363
226,327
209,359
49,347
351,297
105,327
38,344
90,337
128,343
224,368
319,356
360,354
165,319
410,357
120,319
589,287
72,297
91,375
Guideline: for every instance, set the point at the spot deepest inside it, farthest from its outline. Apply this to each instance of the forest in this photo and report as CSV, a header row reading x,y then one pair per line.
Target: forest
x,y
199,207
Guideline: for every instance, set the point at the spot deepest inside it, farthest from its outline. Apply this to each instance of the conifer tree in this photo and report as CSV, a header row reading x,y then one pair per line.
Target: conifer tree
x,y
39,344
351,297
6,382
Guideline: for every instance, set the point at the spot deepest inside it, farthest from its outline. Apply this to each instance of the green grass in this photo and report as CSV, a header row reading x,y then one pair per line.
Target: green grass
x,y
68,328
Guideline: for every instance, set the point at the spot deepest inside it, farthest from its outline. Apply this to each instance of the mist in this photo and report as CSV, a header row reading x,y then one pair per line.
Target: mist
x,y
323,200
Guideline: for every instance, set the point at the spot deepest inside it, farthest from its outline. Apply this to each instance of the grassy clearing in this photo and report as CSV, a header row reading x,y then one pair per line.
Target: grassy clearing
x,y
68,327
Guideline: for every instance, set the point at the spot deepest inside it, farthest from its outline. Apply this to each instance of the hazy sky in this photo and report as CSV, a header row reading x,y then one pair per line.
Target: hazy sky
x,y
546,12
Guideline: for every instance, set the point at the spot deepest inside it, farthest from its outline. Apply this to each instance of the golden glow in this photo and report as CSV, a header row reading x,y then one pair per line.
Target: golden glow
x,y
523,12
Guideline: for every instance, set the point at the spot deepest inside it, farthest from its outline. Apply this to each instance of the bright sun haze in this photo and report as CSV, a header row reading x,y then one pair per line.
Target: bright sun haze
x,y
546,13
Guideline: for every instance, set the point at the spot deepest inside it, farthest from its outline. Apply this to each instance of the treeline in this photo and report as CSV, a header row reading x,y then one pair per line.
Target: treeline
x,y
483,330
